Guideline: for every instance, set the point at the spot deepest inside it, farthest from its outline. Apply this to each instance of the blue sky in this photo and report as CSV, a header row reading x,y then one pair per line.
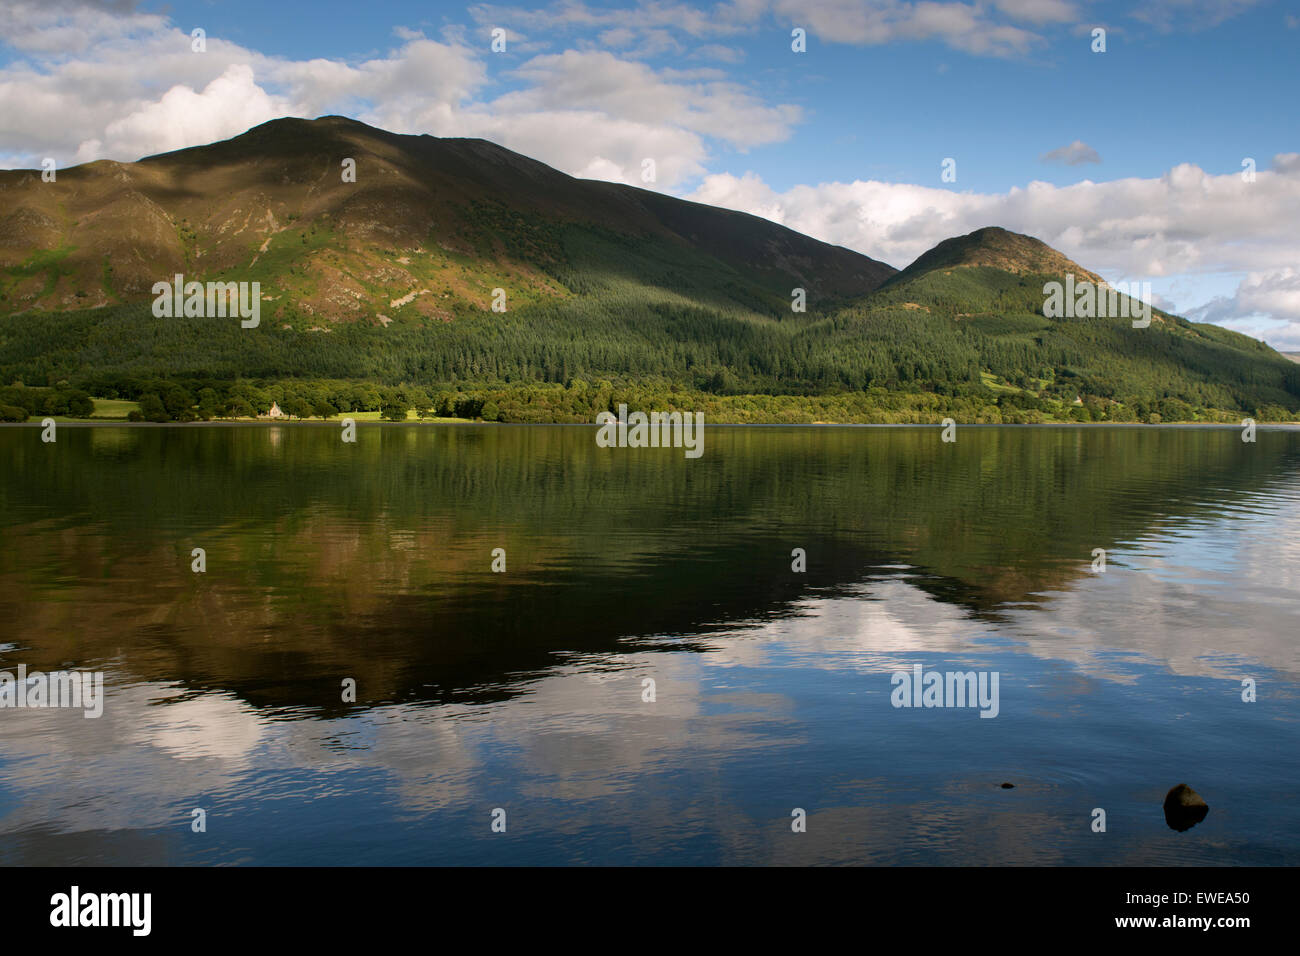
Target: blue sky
x,y
1136,152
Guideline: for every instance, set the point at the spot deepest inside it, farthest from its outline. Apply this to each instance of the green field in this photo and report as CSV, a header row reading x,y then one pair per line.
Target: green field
x,y
113,408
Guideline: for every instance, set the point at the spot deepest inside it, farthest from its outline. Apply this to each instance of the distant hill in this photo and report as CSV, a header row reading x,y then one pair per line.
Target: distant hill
x,y
609,292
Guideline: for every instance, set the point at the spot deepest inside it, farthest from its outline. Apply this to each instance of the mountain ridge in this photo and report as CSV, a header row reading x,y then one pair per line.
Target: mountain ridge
x,y
605,290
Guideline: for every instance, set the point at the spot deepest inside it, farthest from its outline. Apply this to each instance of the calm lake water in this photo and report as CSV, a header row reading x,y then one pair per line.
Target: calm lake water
x,y
525,690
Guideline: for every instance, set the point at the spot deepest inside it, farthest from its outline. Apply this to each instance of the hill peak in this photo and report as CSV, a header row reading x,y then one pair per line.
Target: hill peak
x,y
996,248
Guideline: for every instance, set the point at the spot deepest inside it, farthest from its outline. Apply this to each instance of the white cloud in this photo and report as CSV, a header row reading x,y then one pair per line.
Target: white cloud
x,y
226,107
1039,11
1076,154
69,26
422,75
1168,15
1272,293
971,27
961,26
626,90
724,19
1265,304
617,37
593,144
719,52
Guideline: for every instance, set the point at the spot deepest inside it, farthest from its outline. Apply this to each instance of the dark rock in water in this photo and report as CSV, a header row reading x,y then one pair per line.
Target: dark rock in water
x,y
1008,786
1184,808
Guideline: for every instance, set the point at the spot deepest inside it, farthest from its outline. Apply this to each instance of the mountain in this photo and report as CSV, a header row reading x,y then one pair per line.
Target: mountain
x,y
455,217
379,292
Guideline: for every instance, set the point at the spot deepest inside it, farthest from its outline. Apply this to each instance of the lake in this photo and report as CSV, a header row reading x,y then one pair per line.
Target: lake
x,y
650,680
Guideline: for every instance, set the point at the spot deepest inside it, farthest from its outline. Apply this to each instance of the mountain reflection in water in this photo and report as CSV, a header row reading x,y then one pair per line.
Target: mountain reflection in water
x,y
524,690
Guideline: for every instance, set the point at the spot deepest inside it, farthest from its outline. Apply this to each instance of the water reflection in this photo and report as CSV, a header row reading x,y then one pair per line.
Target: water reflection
x,y
526,690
